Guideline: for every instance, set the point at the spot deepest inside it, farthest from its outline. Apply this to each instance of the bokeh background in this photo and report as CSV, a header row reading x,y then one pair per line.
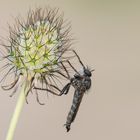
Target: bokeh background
x,y
108,39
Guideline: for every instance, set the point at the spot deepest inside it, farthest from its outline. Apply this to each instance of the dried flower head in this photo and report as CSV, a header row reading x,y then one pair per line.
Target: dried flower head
x,y
36,48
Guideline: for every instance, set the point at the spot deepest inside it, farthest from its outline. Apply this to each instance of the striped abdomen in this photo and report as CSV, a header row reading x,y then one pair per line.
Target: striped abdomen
x,y
74,108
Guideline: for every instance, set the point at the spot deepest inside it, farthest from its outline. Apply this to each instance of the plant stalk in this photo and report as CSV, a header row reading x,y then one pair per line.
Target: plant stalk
x,y
17,111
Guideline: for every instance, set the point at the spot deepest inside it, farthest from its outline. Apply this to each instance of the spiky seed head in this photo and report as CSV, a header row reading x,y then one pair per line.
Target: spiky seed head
x,y
37,44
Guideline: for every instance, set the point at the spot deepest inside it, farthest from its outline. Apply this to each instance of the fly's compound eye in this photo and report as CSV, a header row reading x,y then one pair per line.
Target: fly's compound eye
x,y
87,72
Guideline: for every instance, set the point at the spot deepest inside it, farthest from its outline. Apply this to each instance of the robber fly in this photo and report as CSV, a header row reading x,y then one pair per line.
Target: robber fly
x,y
81,82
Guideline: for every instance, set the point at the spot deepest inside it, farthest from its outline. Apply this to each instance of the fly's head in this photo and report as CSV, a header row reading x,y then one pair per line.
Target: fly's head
x,y
87,72
84,72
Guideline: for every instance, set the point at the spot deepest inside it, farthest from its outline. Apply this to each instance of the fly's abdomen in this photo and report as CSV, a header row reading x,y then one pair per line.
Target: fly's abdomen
x,y
74,108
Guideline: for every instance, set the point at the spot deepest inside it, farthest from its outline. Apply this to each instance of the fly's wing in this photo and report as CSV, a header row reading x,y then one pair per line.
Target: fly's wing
x,y
78,95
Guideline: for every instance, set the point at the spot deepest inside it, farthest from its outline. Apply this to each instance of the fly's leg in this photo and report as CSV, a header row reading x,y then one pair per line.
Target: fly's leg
x,y
66,89
62,74
79,59
65,70
73,67
67,76
50,91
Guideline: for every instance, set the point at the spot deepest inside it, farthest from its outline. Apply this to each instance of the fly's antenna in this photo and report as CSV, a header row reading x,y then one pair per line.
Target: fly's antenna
x,y
79,59
92,70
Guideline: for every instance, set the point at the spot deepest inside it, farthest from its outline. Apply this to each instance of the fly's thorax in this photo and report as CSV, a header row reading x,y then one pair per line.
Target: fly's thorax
x,y
82,83
81,72
75,83
87,82
85,72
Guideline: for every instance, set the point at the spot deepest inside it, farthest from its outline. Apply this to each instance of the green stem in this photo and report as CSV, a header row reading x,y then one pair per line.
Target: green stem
x,y
17,111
